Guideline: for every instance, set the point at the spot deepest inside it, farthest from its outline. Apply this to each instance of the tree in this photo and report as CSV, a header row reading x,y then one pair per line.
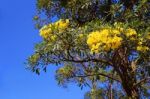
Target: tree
x,y
102,44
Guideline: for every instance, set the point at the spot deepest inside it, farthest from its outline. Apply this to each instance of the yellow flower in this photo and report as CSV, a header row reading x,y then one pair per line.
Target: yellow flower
x,y
105,32
116,31
45,31
105,39
95,48
130,32
116,42
148,36
94,38
142,48
61,24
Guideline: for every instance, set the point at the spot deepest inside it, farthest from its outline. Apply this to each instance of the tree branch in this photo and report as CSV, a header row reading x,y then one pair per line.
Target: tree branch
x,y
108,76
88,60
141,81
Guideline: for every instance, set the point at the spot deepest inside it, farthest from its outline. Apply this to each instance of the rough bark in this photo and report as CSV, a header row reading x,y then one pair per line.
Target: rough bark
x,y
123,68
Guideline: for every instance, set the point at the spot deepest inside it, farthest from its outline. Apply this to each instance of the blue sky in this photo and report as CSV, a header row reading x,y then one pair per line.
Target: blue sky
x,y
17,39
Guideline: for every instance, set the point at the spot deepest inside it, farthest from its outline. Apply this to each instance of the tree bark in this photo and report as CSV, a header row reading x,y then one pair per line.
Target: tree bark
x,y
122,66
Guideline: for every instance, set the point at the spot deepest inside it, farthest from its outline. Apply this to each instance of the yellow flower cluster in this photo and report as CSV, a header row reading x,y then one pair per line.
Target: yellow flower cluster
x,y
104,40
61,24
141,47
109,38
47,31
130,33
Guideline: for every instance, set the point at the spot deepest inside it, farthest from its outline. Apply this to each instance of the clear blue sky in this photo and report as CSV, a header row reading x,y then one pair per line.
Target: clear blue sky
x,y
17,39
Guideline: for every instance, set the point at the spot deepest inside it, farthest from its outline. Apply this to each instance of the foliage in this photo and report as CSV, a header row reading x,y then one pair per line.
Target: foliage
x,y
95,43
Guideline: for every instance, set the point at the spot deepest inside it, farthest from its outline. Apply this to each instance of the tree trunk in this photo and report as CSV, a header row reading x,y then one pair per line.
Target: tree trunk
x,y
123,68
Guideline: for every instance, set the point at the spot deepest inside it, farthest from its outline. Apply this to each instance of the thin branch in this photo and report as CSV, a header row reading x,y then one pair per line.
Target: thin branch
x,y
141,81
88,60
108,76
